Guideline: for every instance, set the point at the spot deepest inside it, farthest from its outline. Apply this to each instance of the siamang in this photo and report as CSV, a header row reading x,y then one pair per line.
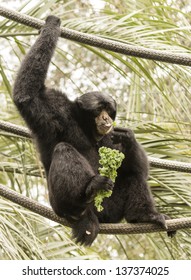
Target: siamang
x,y
68,135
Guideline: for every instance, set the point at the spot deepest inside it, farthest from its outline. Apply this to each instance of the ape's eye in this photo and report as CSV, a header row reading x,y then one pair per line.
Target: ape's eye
x,y
97,111
111,112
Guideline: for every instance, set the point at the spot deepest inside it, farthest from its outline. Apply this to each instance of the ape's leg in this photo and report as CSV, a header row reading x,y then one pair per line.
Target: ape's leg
x,y
139,206
72,186
139,203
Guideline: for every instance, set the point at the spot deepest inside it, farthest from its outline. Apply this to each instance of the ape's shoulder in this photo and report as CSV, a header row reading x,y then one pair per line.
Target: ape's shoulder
x,y
53,94
57,101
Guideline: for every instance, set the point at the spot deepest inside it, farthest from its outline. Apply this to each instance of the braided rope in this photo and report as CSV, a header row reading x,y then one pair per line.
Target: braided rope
x,y
15,129
154,162
170,164
99,42
122,228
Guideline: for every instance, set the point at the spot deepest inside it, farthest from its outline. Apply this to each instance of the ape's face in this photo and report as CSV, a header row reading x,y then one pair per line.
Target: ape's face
x,y
101,108
104,123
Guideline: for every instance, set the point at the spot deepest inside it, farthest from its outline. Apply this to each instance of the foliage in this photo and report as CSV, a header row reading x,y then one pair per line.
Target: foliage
x,y
153,99
110,160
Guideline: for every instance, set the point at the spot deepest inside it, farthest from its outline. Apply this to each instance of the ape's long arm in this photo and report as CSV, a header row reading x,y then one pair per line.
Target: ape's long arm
x,y
31,76
37,104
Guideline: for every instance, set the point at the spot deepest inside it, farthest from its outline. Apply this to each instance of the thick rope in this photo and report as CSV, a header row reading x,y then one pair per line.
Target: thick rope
x,y
99,42
15,129
173,165
154,162
122,228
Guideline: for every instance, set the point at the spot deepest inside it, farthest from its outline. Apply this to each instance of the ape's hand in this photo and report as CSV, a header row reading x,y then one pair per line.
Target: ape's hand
x,y
124,136
53,20
52,23
98,183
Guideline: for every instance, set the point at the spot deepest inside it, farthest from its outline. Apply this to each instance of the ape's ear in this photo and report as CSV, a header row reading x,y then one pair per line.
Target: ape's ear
x,y
80,103
87,102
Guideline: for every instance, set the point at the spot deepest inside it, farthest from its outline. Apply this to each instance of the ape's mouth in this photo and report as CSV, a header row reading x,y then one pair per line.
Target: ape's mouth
x,y
104,128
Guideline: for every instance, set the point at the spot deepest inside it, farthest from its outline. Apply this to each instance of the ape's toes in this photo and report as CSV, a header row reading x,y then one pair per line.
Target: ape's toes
x,y
171,234
85,237
160,219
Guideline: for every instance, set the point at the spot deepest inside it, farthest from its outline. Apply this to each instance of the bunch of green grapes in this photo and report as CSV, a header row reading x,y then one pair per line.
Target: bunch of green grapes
x,y
111,160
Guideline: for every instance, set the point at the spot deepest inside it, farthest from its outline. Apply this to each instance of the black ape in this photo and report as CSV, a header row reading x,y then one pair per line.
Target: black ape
x,y
69,135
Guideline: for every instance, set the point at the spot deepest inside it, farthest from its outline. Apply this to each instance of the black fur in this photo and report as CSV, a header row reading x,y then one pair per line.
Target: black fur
x,y
68,143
